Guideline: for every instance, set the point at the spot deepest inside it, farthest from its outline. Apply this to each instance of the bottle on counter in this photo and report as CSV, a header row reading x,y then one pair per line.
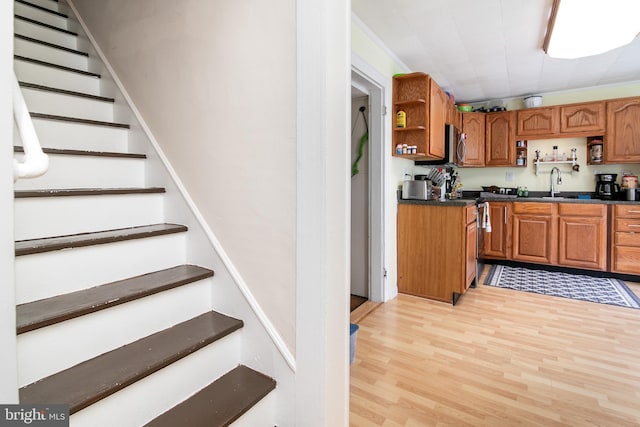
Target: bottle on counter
x,y
554,154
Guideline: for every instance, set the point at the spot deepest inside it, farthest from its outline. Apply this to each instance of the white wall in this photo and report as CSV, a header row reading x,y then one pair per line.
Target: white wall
x,y
8,366
215,83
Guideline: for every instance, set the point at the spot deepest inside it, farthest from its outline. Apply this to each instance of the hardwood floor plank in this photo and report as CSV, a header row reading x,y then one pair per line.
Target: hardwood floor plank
x,y
498,358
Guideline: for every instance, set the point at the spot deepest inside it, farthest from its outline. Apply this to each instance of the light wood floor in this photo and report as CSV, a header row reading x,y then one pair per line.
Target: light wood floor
x,y
498,358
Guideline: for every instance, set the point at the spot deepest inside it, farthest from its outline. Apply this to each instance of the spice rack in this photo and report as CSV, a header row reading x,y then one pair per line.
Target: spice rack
x,y
539,163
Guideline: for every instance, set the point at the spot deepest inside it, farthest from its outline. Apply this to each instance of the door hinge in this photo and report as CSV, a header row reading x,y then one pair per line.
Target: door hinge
x,y
384,273
384,110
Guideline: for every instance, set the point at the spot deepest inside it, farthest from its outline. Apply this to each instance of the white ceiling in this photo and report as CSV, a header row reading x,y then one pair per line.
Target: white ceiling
x,y
482,50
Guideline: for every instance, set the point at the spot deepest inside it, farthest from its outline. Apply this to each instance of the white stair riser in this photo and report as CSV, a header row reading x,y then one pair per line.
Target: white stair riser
x,y
73,341
261,413
87,171
47,274
49,54
77,136
144,400
43,33
42,101
40,15
81,214
61,79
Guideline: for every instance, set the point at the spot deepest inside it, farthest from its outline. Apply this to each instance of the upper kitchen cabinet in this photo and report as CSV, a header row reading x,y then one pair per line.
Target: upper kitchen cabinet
x,y
622,140
582,119
424,105
473,124
500,138
537,123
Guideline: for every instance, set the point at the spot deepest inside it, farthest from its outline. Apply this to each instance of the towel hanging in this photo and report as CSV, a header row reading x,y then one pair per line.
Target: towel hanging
x,y
486,219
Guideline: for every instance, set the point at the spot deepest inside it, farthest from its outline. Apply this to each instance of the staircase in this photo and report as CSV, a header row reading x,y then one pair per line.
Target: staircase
x,y
113,317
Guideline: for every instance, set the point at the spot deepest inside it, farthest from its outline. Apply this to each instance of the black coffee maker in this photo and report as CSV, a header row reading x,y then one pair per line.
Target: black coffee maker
x,y
606,187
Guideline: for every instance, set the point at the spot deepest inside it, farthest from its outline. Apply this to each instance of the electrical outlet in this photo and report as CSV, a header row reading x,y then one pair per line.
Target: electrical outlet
x,y
508,176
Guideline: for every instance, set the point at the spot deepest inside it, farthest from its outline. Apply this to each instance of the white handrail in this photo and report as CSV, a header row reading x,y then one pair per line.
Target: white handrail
x,y
34,162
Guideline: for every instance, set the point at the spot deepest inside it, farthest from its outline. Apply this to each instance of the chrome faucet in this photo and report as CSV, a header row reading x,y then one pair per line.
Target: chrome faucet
x,y
558,181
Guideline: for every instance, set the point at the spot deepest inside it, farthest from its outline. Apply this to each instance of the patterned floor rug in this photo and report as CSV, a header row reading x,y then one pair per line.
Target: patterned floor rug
x,y
580,287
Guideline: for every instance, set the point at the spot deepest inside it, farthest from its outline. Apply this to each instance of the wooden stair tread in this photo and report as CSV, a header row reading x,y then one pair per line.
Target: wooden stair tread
x,y
78,120
65,92
65,151
64,192
52,45
45,312
44,9
220,403
42,24
97,378
59,67
34,246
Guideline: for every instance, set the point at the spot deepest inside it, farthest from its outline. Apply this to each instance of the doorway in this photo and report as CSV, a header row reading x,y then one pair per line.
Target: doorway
x,y
368,271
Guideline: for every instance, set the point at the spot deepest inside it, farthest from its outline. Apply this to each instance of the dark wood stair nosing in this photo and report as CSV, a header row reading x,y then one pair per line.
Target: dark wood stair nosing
x,y
48,311
56,66
51,27
51,45
70,152
221,402
78,120
34,86
74,192
48,244
44,9
94,379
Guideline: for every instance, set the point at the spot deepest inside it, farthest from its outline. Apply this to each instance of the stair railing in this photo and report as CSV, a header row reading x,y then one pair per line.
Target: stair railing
x,y
34,163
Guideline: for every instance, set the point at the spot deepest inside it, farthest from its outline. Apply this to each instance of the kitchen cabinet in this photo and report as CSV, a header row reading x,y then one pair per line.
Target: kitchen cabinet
x,y
500,139
473,124
582,119
622,138
625,248
425,106
534,232
497,243
538,123
582,235
431,238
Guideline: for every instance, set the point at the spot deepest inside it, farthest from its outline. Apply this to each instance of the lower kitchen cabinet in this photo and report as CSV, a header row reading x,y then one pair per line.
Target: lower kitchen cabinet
x,y
625,248
436,250
534,233
582,235
497,243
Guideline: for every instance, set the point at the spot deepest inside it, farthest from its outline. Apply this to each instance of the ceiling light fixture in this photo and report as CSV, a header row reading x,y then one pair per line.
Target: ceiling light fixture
x,y
579,28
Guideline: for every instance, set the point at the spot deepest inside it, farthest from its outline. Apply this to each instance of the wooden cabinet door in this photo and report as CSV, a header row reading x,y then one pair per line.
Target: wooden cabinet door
x,y
534,238
473,124
582,242
470,267
588,118
496,243
500,139
622,140
437,119
582,235
537,122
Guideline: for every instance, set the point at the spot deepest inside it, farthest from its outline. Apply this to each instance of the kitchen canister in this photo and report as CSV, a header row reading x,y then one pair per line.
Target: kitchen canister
x,y
401,119
629,181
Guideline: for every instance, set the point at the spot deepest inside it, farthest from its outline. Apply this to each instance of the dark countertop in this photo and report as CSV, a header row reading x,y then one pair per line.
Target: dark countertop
x,y
474,197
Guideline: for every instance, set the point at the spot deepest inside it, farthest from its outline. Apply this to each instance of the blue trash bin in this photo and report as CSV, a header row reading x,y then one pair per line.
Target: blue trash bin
x,y
353,334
